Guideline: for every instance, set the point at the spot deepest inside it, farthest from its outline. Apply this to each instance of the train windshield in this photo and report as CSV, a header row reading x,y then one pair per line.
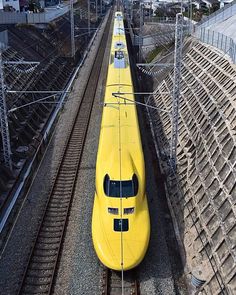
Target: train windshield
x,y
124,189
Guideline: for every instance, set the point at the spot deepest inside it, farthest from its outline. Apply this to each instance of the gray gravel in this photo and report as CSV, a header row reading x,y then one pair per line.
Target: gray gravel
x,y
79,267
161,270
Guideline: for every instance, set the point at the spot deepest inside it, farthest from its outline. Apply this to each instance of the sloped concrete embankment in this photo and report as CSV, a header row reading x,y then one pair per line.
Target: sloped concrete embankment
x,y
203,193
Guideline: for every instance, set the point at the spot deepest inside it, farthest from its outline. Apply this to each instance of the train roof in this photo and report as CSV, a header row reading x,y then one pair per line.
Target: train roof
x,y
120,149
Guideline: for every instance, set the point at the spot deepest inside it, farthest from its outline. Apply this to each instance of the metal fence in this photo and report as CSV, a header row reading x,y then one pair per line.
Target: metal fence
x,y
221,14
13,17
218,40
163,19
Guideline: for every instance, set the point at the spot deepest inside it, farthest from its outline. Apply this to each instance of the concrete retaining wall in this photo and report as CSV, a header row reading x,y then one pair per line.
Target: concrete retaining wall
x,y
203,192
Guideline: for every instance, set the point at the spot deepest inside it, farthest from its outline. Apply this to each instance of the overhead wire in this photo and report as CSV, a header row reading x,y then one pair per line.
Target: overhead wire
x,y
31,72
52,33
32,102
120,162
31,69
39,41
62,43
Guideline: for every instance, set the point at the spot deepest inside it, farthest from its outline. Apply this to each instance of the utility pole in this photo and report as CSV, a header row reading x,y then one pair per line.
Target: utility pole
x,y
72,29
100,8
191,16
131,13
96,3
4,120
150,9
89,18
176,87
140,31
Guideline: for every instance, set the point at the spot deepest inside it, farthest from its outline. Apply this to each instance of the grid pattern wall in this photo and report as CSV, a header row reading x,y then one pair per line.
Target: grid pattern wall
x,y
203,192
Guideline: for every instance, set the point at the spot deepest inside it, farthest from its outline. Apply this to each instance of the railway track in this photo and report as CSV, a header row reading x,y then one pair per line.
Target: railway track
x,y
39,275
112,283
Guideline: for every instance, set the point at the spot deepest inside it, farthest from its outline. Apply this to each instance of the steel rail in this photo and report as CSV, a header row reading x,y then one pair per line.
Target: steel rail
x,y
39,275
112,284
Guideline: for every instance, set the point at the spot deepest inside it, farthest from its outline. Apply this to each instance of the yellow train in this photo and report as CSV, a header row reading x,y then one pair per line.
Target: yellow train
x,y
120,221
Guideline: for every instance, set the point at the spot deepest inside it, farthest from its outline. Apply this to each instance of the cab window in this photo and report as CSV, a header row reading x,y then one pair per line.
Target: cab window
x,y
124,189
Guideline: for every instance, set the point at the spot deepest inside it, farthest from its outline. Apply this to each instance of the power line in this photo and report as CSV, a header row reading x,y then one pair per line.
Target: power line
x,y
39,41
89,17
3,107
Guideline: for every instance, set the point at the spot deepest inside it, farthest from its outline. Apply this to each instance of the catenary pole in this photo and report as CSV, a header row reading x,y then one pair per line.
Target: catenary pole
x,y
4,119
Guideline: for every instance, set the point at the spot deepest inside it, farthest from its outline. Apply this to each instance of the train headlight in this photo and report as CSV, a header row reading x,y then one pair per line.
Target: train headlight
x,y
129,210
113,211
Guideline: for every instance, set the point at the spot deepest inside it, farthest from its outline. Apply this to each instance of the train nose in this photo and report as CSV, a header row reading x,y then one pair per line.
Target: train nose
x,y
120,243
117,254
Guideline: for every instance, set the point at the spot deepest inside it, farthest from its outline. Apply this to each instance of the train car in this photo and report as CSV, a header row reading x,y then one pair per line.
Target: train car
x,y
120,219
